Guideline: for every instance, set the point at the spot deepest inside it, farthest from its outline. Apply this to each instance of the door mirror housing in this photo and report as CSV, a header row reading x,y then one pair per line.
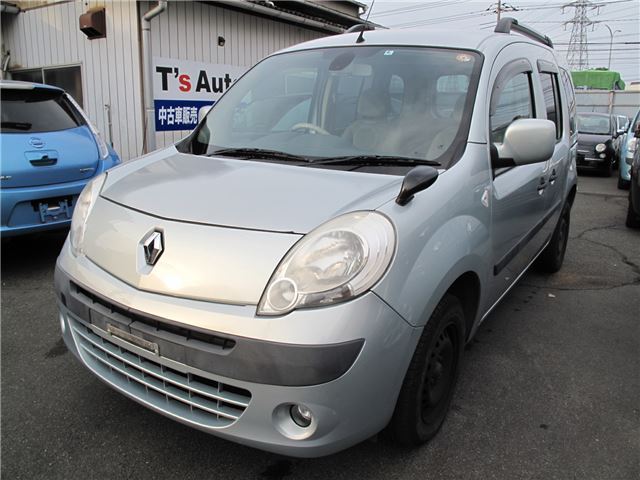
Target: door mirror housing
x,y
416,180
527,141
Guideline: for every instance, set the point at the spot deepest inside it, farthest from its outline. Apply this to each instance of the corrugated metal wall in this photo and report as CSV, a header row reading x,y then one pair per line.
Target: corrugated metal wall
x,y
190,30
50,36
621,102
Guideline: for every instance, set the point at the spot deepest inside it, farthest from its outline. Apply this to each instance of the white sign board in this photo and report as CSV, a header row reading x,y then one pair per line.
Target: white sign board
x,y
182,87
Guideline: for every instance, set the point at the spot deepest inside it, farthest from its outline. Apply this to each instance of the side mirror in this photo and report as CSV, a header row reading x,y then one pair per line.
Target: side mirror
x,y
526,141
203,112
416,180
636,134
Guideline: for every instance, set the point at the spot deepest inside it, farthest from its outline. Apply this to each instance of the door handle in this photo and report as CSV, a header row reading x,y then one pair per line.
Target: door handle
x,y
542,185
45,161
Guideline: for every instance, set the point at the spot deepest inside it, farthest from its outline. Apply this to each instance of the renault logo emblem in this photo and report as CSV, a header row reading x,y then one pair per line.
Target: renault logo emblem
x,y
153,246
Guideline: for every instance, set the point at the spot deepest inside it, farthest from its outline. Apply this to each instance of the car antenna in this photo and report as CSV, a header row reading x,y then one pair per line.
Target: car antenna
x,y
360,38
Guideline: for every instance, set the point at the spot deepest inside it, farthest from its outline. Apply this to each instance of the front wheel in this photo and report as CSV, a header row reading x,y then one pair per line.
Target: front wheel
x,y
633,217
623,184
428,386
552,256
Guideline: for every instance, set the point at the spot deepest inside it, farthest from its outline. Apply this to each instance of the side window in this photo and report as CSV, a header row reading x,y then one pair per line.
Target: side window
x,y
571,100
552,100
509,103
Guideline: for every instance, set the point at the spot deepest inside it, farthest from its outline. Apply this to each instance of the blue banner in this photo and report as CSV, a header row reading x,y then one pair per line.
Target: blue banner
x,y
178,114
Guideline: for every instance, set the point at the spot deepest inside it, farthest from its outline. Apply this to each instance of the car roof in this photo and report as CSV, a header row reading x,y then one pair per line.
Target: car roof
x,y
472,39
19,85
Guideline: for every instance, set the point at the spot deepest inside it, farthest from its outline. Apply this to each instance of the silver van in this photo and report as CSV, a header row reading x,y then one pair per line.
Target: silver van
x,y
304,269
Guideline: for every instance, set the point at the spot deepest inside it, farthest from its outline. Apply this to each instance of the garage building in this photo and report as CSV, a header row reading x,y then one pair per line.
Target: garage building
x,y
96,49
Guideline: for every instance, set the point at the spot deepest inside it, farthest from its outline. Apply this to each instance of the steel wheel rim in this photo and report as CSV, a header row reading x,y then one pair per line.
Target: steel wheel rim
x,y
439,375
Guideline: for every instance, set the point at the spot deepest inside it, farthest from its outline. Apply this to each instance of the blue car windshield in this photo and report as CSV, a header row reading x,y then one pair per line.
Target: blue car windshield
x,y
36,110
406,102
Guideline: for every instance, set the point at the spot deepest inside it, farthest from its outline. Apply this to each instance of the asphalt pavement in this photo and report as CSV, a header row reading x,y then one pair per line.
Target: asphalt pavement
x,y
550,388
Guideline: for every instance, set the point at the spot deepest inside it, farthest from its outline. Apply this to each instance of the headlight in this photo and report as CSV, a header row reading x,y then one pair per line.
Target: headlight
x,y
337,261
601,147
81,212
631,146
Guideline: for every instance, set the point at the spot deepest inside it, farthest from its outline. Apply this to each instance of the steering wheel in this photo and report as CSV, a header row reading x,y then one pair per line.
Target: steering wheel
x,y
310,126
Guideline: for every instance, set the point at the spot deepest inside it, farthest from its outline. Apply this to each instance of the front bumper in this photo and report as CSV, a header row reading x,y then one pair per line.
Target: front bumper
x,y
586,158
346,363
625,168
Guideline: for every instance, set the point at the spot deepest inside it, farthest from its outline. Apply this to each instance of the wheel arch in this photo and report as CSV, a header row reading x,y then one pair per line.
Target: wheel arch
x,y
466,288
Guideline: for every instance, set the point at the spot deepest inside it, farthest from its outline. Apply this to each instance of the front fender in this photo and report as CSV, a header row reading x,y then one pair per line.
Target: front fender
x,y
443,233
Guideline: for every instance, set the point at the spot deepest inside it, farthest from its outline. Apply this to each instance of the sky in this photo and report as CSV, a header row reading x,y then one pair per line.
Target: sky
x,y
546,16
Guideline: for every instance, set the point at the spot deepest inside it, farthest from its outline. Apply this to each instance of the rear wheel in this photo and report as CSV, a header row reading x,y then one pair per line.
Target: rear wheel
x,y
552,257
428,386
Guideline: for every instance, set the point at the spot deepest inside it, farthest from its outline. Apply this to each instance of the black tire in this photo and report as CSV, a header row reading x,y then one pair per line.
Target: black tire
x,y
430,381
623,184
633,218
552,257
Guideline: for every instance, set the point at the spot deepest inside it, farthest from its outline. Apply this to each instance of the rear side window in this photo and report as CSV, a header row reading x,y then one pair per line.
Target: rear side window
x,y
37,110
552,100
512,103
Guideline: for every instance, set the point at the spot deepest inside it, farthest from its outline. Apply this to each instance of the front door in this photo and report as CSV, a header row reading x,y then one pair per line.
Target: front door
x,y
518,200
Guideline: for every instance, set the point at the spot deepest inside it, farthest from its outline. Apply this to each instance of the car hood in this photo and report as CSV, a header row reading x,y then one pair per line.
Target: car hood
x,y
242,193
592,139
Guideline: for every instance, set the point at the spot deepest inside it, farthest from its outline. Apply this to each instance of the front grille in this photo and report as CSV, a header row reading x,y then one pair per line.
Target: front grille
x,y
172,389
91,300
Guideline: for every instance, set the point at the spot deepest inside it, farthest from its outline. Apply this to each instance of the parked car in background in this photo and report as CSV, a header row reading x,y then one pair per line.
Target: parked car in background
x,y
50,151
596,135
633,211
307,266
622,125
627,151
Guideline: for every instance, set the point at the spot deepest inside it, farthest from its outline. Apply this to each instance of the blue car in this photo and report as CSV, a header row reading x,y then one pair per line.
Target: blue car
x,y
626,154
49,151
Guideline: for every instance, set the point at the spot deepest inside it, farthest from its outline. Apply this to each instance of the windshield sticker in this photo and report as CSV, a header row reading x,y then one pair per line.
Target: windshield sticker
x,y
388,52
463,57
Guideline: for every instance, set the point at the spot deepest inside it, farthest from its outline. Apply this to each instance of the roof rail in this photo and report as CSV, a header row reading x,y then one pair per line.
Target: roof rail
x,y
505,25
360,27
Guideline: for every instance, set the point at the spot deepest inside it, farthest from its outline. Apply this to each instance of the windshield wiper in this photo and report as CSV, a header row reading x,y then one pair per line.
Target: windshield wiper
x,y
375,160
258,153
17,125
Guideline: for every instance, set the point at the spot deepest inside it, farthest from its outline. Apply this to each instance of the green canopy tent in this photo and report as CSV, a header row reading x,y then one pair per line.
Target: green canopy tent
x,y
597,79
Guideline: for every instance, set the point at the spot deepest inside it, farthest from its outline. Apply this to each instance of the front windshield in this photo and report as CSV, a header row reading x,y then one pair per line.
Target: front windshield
x,y
594,124
349,101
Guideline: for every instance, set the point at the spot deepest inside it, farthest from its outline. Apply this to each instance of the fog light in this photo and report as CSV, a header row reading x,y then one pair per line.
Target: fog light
x,y
301,415
602,155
